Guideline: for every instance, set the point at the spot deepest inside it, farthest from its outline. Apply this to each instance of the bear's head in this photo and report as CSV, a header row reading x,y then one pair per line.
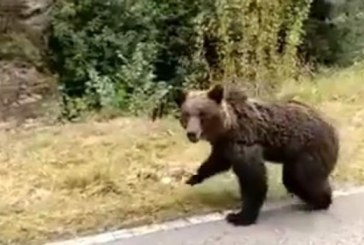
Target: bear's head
x,y
203,113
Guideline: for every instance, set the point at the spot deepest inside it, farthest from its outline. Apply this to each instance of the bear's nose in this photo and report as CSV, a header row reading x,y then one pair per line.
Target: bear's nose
x,y
192,136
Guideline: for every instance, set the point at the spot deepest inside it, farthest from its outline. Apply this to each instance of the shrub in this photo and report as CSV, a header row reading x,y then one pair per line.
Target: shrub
x,y
334,32
129,54
103,50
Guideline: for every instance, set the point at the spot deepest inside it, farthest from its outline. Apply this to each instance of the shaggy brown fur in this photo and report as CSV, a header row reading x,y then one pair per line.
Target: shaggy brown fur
x,y
244,132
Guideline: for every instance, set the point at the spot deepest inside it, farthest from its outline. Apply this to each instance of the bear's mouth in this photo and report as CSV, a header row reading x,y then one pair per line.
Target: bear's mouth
x,y
195,140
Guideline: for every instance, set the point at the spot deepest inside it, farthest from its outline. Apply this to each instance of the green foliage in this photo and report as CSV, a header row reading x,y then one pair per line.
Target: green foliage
x,y
256,40
334,32
348,19
130,54
104,50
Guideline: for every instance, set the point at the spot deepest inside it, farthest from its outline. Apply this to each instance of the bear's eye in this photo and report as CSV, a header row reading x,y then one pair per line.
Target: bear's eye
x,y
185,114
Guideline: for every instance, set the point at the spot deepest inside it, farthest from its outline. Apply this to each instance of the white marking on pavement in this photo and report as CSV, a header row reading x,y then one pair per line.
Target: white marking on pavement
x,y
179,223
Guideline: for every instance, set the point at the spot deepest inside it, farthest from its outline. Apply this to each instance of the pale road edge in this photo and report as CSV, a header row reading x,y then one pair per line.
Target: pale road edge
x,y
179,223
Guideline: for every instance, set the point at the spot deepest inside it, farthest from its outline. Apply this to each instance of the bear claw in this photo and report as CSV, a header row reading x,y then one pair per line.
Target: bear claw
x,y
193,180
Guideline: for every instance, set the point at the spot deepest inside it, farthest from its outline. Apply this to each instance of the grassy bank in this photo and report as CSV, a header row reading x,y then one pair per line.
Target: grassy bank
x,y
81,178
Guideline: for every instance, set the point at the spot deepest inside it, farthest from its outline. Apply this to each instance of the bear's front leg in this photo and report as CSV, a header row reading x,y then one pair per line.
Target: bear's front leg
x,y
248,165
214,164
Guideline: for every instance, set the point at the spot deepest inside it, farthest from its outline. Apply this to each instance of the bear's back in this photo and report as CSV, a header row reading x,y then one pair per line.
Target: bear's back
x,y
284,126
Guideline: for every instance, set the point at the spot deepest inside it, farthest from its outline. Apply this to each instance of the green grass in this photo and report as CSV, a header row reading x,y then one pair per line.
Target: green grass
x,y
58,181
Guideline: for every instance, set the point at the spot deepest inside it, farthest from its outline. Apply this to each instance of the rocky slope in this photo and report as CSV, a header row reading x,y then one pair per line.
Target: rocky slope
x,y
25,84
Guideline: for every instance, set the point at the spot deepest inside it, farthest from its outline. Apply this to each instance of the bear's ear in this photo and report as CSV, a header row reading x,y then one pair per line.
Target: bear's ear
x,y
179,96
216,93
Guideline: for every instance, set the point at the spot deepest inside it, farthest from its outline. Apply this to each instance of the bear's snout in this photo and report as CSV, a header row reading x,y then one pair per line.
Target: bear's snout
x,y
193,129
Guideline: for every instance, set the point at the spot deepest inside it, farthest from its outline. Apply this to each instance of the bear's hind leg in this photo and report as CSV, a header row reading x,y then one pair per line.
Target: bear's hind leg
x,y
250,170
288,179
307,178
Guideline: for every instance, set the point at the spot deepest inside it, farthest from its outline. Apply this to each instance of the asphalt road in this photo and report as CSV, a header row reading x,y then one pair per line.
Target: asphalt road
x,y
342,224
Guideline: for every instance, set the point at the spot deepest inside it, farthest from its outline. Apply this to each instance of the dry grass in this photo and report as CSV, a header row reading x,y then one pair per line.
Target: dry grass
x,y
73,179
59,181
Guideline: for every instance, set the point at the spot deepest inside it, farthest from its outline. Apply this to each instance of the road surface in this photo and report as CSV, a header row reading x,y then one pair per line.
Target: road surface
x,y
342,224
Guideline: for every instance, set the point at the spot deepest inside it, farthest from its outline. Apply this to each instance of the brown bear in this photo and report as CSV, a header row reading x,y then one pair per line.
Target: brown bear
x,y
244,133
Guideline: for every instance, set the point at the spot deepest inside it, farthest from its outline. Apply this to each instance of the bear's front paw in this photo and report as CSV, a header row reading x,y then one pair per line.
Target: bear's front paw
x,y
193,180
241,219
